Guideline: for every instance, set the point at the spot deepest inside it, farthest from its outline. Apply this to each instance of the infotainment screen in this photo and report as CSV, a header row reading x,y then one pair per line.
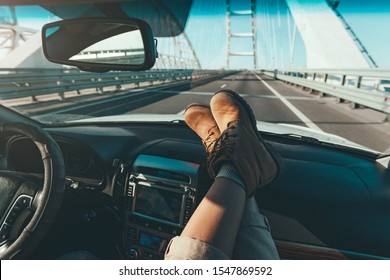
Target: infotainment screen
x,y
158,203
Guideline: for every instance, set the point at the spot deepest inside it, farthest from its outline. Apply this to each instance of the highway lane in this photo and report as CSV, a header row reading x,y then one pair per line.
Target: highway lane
x,y
111,102
266,106
272,101
363,126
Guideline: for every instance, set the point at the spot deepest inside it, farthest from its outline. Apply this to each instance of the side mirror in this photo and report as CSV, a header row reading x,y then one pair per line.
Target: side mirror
x,y
100,44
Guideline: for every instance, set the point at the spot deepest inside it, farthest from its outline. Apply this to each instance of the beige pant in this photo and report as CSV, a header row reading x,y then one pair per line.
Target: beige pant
x,y
254,241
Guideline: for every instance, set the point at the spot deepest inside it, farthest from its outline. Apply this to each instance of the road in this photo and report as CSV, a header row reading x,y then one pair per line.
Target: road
x,y
362,126
272,101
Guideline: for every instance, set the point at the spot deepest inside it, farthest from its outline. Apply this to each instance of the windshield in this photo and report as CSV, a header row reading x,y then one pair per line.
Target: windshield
x,y
317,68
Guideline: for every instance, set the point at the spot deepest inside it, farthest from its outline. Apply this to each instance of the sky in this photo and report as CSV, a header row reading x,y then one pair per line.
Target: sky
x,y
207,30
369,19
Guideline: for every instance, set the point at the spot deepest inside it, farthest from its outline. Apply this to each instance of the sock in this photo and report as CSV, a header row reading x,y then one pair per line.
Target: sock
x,y
228,171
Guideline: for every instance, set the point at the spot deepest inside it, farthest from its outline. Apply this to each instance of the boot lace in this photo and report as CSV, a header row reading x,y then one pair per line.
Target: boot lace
x,y
224,144
207,143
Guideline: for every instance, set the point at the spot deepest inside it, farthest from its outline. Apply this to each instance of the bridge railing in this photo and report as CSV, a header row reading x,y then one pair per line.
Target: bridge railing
x,y
366,87
20,83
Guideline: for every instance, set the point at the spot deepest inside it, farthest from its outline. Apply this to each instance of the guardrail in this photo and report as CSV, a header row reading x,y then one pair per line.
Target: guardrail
x,y
20,83
366,87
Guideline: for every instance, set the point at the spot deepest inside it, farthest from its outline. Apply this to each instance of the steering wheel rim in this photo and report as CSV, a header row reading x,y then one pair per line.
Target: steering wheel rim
x,y
47,200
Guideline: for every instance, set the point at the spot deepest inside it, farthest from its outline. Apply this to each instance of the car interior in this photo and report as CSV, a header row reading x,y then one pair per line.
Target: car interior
x,y
132,185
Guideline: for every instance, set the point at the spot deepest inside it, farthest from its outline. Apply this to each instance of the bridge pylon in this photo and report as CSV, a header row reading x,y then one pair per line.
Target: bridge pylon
x,y
233,15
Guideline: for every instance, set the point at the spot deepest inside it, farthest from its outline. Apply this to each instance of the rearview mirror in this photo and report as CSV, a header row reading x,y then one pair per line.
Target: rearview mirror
x,y
99,44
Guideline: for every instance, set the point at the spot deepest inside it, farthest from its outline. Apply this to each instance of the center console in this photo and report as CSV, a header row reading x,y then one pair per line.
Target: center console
x,y
161,195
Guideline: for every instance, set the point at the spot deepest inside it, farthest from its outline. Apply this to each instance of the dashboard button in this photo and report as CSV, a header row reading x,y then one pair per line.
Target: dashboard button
x,y
5,228
4,232
13,214
133,254
23,202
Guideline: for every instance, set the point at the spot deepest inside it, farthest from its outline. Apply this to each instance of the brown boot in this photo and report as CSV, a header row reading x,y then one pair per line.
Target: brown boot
x,y
199,118
240,142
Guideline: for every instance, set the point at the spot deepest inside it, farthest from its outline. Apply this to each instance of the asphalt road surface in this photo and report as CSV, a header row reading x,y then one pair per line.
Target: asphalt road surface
x,y
272,101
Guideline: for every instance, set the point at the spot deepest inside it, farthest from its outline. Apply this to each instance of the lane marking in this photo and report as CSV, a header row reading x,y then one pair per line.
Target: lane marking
x,y
294,109
181,112
244,95
224,85
197,92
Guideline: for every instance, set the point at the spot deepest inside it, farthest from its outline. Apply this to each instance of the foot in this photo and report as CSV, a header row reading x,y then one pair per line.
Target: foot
x,y
240,142
199,118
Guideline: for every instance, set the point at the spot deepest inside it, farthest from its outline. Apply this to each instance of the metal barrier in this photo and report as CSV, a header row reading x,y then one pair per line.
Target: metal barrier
x,y
366,87
19,83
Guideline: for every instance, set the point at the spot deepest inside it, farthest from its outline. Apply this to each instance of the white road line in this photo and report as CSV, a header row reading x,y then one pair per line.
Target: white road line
x,y
224,85
243,95
197,92
294,109
181,112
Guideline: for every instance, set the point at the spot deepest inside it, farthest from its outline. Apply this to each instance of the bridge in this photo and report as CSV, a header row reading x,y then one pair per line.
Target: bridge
x,y
346,94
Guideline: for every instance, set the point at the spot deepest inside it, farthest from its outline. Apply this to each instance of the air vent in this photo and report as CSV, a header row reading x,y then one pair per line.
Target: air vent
x,y
120,180
187,210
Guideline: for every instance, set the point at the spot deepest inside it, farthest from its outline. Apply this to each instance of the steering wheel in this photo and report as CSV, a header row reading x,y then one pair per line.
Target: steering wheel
x,y
27,209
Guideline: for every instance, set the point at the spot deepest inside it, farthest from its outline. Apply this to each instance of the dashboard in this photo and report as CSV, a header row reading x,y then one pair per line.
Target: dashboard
x,y
154,188
136,186
83,166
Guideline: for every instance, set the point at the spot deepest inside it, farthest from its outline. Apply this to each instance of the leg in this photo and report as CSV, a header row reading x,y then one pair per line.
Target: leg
x,y
212,230
223,206
240,161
